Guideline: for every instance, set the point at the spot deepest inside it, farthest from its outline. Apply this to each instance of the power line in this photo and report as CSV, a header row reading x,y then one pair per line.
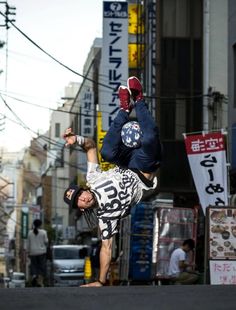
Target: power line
x,y
52,57
79,113
85,77
50,153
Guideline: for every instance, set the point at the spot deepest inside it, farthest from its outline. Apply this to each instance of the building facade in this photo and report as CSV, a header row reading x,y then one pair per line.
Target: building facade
x,y
232,97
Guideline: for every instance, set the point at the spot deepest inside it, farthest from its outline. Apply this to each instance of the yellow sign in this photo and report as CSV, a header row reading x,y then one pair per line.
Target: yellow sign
x,y
136,55
136,22
100,136
87,268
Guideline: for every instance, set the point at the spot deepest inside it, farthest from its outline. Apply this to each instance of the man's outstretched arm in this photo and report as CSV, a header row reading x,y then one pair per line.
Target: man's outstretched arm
x,y
87,144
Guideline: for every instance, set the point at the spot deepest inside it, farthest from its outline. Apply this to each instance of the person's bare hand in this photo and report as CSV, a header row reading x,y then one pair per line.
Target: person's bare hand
x,y
69,137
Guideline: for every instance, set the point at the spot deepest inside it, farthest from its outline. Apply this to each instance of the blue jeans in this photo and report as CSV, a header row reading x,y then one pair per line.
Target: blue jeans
x,y
147,157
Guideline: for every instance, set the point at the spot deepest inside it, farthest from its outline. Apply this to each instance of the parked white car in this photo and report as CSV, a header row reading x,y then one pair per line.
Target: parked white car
x,y
68,264
17,279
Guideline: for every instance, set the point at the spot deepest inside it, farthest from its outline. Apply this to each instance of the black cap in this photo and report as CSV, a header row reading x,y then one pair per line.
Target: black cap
x,y
70,195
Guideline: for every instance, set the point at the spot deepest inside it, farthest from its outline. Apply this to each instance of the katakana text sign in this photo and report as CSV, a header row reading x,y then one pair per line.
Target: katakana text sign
x,y
207,159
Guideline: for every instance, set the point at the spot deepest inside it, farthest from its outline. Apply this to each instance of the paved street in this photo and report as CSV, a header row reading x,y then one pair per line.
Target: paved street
x,y
203,297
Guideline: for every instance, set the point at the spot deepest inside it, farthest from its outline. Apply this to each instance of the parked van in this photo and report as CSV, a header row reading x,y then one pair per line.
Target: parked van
x,y
68,264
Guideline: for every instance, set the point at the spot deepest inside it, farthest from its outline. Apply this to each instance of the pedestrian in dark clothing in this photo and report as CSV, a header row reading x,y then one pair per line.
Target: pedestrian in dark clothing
x,y
95,261
37,248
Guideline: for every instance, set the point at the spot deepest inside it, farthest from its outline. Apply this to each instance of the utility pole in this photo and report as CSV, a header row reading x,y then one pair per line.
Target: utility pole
x,y
9,10
206,48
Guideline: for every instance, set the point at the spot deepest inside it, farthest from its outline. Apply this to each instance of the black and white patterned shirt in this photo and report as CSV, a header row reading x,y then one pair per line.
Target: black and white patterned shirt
x,y
116,191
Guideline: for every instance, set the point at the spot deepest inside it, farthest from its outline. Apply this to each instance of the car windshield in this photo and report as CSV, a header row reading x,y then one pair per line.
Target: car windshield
x,y
18,277
70,253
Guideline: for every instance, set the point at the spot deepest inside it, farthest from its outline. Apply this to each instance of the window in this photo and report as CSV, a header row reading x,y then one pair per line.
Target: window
x,y
57,130
70,253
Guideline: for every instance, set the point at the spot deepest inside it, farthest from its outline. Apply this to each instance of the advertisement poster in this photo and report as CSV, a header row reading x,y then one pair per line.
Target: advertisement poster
x,y
222,233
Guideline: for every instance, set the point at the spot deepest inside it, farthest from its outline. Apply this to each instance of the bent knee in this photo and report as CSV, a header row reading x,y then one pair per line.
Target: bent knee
x,y
107,155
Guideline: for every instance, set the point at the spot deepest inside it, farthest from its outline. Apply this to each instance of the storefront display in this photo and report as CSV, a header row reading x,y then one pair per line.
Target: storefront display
x,y
222,233
221,245
173,226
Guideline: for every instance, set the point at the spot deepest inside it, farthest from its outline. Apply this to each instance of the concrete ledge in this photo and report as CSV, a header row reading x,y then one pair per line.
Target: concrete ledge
x,y
191,297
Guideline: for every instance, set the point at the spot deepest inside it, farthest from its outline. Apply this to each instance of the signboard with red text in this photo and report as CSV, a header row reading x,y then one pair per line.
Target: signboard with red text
x,y
207,159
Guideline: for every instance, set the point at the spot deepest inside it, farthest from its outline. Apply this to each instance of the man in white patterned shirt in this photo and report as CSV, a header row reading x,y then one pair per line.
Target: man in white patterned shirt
x,y
111,194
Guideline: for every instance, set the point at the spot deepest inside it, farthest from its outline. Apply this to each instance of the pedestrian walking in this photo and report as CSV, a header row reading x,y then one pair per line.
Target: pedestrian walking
x,y
37,248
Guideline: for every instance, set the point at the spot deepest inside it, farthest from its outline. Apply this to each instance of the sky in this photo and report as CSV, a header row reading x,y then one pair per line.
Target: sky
x,y
66,30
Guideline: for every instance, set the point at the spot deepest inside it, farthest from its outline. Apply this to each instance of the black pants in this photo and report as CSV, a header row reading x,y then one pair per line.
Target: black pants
x,y
38,265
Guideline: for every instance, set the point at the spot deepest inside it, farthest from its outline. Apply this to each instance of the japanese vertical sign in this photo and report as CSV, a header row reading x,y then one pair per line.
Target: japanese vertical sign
x,y
100,136
24,222
114,59
88,111
136,21
136,51
207,159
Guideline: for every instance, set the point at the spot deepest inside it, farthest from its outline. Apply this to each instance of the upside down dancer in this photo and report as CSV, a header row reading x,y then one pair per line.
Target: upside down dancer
x,y
111,194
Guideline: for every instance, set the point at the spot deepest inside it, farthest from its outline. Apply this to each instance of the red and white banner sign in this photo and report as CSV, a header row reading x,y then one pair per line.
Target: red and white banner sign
x,y
207,159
